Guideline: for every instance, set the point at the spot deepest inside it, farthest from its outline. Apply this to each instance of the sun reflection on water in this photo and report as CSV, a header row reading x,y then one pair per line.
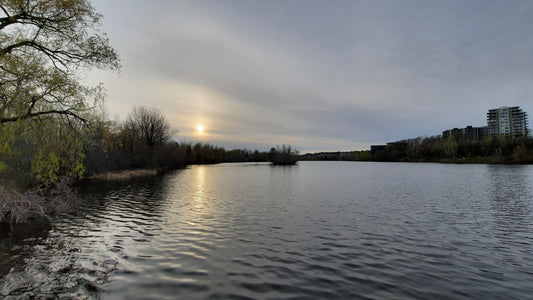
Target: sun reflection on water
x,y
198,216
200,188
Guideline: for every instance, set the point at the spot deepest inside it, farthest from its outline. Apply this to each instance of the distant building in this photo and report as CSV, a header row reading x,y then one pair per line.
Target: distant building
x,y
474,133
510,121
376,148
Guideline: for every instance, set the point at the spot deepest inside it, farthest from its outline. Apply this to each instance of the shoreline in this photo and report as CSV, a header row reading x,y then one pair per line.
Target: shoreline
x,y
124,174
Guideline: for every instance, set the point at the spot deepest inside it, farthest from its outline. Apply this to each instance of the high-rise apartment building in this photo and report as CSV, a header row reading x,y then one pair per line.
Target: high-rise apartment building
x,y
510,121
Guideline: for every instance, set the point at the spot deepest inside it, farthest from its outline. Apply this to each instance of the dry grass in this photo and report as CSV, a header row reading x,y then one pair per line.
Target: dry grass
x,y
124,174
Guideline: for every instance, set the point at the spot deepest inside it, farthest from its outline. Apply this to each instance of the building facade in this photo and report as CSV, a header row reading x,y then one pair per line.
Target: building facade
x,y
474,133
509,121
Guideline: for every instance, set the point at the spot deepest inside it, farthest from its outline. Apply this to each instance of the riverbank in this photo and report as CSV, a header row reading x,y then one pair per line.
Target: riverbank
x,y
515,151
487,160
35,206
124,174
366,156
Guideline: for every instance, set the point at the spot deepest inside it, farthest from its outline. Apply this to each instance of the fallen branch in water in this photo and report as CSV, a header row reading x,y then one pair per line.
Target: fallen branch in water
x,y
40,202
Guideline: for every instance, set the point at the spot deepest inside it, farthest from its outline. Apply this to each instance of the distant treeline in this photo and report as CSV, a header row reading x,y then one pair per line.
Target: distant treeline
x,y
493,149
460,149
339,155
41,151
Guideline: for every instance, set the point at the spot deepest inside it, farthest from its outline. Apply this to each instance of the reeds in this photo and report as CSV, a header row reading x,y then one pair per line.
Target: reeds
x,y
124,174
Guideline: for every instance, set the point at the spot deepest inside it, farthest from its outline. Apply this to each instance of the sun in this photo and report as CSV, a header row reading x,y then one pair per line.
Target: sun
x,y
200,128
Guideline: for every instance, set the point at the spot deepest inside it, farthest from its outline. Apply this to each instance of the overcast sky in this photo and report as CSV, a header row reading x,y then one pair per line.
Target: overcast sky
x,y
319,75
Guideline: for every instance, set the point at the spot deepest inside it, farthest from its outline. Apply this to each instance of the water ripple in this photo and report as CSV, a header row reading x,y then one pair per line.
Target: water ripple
x,y
314,231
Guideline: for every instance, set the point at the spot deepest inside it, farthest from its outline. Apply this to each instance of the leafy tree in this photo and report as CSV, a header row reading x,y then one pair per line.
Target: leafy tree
x,y
43,45
445,148
42,150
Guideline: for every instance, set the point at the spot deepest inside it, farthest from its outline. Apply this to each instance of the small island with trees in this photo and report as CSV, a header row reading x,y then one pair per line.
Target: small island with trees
x,y
283,156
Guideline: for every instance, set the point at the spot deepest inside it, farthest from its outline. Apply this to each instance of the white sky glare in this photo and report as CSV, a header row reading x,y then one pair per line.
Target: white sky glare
x,y
319,75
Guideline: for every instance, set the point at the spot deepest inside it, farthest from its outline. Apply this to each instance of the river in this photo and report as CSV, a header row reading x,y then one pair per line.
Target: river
x,y
317,230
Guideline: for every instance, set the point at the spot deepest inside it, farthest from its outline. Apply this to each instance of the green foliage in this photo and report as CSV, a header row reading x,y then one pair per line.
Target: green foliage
x,y
26,146
362,155
445,148
5,150
45,167
45,45
72,153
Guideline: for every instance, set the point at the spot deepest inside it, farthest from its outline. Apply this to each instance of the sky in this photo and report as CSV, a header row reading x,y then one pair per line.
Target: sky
x,y
318,75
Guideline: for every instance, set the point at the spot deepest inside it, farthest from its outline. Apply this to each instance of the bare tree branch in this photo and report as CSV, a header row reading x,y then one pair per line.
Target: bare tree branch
x,y
41,113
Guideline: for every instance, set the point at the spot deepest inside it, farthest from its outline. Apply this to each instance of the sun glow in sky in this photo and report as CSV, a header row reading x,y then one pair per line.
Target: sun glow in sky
x,y
200,128
319,75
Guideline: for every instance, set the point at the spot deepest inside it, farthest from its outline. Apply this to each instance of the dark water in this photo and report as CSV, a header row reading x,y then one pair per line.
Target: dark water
x,y
318,230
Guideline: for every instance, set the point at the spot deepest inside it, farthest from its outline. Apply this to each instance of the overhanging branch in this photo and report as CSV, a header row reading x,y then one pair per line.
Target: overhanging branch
x,y
43,113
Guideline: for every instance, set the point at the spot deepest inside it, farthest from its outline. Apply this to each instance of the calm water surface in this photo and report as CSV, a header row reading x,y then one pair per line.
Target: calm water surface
x,y
318,230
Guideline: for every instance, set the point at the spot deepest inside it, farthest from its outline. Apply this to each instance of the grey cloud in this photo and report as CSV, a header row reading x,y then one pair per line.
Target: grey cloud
x,y
346,72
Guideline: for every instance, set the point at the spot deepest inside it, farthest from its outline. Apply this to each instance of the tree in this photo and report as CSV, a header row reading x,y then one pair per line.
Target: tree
x,y
283,155
43,46
41,151
445,148
148,126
